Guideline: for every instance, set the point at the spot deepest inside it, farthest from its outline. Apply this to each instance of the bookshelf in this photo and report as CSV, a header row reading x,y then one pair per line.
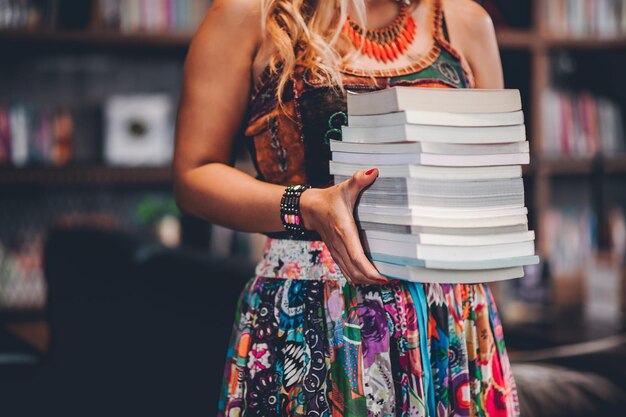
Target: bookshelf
x,y
95,38
533,43
75,58
598,176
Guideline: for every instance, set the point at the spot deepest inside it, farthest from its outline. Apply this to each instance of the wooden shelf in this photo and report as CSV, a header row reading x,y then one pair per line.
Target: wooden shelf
x,y
507,39
615,164
87,175
532,40
554,41
573,166
515,38
565,166
95,38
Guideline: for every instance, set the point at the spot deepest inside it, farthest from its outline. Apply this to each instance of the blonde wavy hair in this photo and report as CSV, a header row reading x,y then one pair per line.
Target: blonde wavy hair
x,y
315,27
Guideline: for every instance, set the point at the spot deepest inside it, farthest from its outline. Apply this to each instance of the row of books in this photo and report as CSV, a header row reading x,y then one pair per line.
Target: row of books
x,y
581,125
25,14
602,18
570,238
35,134
448,205
137,131
130,16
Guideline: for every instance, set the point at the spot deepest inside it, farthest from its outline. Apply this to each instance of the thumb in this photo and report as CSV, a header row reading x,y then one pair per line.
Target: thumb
x,y
362,179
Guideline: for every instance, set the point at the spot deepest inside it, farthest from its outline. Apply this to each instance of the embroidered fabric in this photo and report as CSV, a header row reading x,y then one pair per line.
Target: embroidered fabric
x,y
290,145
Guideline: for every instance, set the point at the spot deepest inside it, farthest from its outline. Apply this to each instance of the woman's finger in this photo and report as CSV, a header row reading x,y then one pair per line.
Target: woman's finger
x,y
359,181
357,274
360,260
350,249
339,260
340,233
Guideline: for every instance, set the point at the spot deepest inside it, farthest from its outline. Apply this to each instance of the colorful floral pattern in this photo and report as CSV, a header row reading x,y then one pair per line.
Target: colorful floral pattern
x,y
306,343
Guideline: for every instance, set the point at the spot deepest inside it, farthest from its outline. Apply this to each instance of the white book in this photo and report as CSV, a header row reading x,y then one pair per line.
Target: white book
x,y
410,219
457,265
443,212
462,100
412,200
438,119
428,133
431,172
432,159
447,276
450,240
462,189
466,231
442,216
431,147
19,125
449,253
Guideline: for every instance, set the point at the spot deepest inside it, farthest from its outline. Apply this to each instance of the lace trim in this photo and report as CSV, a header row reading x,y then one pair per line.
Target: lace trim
x,y
298,259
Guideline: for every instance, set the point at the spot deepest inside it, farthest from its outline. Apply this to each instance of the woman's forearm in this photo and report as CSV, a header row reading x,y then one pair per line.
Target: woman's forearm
x,y
226,196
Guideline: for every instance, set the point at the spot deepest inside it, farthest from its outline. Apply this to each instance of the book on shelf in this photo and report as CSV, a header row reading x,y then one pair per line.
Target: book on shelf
x,y
27,14
448,204
571,237
585,18
581,125
35,134
152,16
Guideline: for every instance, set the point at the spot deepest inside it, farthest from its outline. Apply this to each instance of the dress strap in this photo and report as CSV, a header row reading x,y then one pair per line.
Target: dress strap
x,y
444,27
440,31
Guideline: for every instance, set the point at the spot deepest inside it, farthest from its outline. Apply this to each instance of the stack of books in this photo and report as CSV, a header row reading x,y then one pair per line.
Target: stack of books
x,y
448,205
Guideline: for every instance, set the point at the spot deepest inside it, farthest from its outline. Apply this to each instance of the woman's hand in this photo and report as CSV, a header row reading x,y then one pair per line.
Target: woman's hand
x,y
330,212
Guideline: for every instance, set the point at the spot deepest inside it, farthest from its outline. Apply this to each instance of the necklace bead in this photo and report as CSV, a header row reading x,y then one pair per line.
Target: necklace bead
x,y
384,44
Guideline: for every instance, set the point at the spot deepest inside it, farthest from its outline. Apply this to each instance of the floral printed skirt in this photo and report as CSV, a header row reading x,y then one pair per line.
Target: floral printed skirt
x,y
306,343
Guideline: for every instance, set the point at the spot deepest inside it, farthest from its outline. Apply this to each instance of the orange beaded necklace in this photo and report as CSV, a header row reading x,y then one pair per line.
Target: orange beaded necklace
x,y
384,44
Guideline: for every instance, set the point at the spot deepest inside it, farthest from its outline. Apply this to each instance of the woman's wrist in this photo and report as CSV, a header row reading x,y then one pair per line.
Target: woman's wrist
x,y
309,201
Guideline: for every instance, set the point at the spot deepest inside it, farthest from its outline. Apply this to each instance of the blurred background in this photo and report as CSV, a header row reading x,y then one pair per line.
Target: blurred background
x,y
111,301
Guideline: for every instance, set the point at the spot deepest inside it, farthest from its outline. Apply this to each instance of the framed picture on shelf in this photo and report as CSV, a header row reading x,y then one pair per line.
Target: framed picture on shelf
x,y
138,130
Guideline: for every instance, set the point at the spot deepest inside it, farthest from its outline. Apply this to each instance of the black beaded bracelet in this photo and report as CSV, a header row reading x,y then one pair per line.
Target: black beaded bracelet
x,y
290,209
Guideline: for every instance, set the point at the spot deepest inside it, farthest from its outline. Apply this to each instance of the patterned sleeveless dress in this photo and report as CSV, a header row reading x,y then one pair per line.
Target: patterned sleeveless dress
x,y
305,342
